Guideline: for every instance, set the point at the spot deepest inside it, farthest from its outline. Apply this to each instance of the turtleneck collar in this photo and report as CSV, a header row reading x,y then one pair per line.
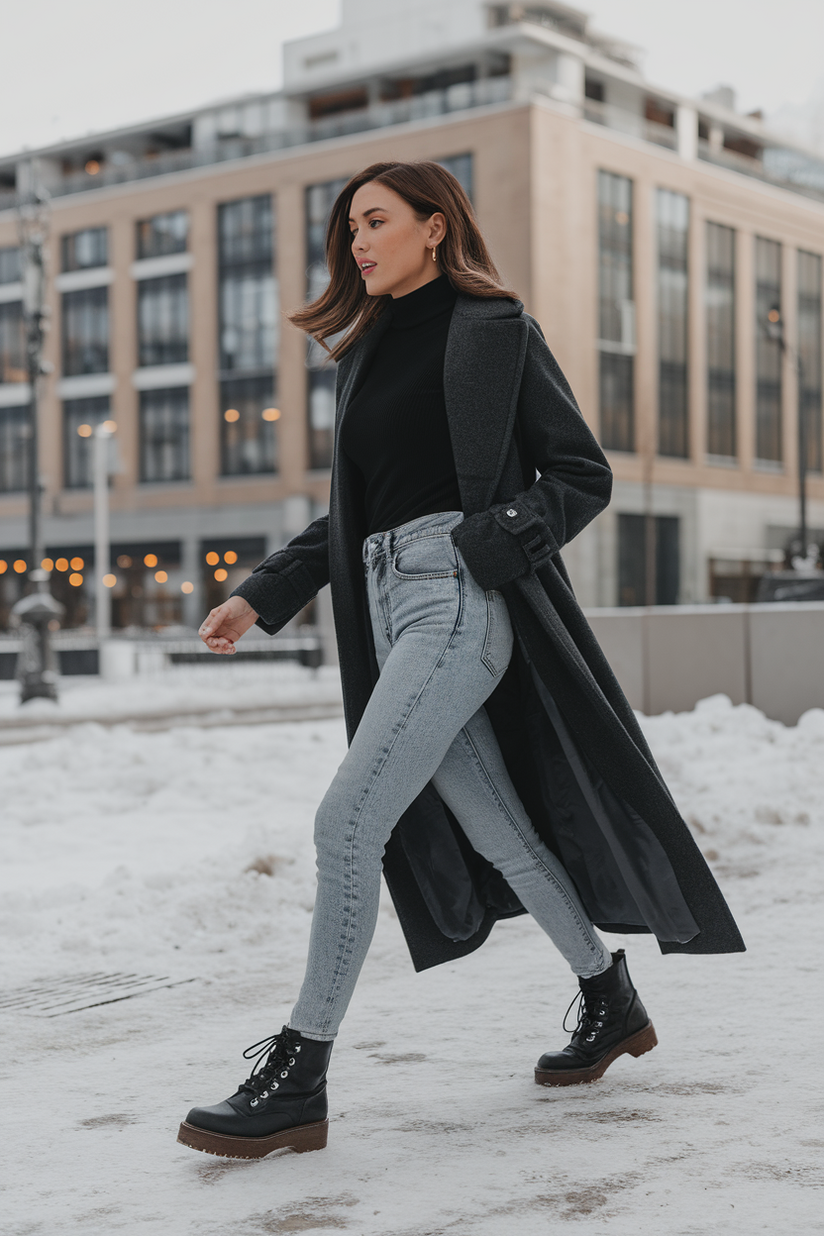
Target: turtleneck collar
x,y
424,303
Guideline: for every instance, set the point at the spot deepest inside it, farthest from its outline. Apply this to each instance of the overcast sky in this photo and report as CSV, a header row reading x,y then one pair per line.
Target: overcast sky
x,y
75,66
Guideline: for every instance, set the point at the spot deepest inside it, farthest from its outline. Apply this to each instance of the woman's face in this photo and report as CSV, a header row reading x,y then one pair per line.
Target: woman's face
x,y
391,245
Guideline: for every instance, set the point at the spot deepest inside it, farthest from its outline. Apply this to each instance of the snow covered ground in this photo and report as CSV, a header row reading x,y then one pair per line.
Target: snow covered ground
x,y
187,855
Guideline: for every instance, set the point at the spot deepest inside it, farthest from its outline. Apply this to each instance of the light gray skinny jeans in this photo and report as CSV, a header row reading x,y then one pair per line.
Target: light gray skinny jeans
x,y
442,645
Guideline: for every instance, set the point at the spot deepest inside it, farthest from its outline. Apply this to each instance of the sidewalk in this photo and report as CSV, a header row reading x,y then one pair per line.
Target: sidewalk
x,y
201,695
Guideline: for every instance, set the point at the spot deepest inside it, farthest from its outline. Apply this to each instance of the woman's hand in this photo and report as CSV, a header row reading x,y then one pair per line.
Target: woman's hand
x,y
223,627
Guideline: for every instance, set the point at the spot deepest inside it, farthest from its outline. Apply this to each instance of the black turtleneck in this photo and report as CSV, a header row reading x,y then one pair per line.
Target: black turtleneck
x,y
395,430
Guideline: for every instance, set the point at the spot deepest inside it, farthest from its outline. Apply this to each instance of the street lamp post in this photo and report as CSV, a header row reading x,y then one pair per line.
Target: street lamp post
x,y
775,330
38,613
102,579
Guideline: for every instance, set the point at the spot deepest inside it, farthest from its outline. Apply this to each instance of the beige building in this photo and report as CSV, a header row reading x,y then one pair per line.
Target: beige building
x,y
651,236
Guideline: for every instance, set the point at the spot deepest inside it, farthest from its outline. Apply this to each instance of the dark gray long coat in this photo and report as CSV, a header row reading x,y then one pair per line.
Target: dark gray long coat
x,y
570,739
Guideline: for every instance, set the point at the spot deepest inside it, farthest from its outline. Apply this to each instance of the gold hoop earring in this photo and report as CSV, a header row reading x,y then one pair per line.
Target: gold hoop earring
x,y
434,251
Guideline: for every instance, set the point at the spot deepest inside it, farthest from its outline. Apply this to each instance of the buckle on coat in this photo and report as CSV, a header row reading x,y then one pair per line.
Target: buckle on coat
x,y
536,550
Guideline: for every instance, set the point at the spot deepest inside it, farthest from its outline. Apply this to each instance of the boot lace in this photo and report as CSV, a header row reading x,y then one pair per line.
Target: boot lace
x,y
591,1014
281,1051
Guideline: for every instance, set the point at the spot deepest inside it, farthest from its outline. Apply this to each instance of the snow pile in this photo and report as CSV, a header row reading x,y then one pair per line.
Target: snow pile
x,y
189,854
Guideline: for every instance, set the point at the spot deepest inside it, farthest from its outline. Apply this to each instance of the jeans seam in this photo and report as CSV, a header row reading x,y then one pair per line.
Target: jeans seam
x,y
345,946
537,863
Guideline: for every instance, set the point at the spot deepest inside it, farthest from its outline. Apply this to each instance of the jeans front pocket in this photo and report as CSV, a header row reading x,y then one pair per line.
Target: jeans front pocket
x,y
426,557
498,641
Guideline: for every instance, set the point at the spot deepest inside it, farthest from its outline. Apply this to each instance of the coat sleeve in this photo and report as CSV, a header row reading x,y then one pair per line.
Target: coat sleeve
x,y
288,580
574,482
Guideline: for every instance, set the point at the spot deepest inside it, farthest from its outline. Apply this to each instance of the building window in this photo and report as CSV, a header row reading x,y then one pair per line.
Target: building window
x,y
809,355
461,167
248,296
14,449
164,434
162,234
78,447
673,220
248,434
148,590
11,270
768,355
82,250
322,372
12,343
661,584
163,320
86,331
226,562
616,312
719,299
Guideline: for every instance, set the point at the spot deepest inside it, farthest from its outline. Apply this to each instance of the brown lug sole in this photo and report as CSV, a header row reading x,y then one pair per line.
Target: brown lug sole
x,y
638,1043
300,1138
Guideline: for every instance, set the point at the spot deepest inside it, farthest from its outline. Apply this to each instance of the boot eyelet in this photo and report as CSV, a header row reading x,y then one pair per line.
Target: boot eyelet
x,y
297,1046
265,1094
275,1085
253,1103
292,1061
285,1073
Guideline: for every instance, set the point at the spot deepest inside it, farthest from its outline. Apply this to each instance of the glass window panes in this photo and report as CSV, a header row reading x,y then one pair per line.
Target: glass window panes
x,y
321,376
14,449
809,355
248,292
163,234
719,298
768,354
12,342
164,434
616,312
86,331
248,319
673,217
78,447
11,270
245,230
82,250
163,320
248,426
460,165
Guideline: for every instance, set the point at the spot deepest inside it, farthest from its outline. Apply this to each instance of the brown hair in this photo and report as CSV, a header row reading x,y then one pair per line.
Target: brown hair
x,y
345,305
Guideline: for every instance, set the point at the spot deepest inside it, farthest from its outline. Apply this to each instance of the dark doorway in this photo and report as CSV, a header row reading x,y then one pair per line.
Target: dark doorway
x,y
632,560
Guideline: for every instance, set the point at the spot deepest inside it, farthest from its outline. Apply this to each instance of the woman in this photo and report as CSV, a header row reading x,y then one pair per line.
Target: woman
x,y
494,765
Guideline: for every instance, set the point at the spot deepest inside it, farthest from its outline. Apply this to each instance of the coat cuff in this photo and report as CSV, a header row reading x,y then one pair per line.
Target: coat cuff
x,y
279,592
503,543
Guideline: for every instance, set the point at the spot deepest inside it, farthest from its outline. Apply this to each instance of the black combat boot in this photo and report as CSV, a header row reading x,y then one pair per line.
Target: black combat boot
x,y
611,1020
281,1104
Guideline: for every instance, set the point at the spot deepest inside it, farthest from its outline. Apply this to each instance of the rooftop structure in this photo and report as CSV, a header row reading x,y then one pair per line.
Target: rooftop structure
x,y
413,59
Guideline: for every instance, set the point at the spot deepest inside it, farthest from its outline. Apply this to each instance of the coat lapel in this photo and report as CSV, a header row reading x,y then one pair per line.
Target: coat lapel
x,y
485,353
